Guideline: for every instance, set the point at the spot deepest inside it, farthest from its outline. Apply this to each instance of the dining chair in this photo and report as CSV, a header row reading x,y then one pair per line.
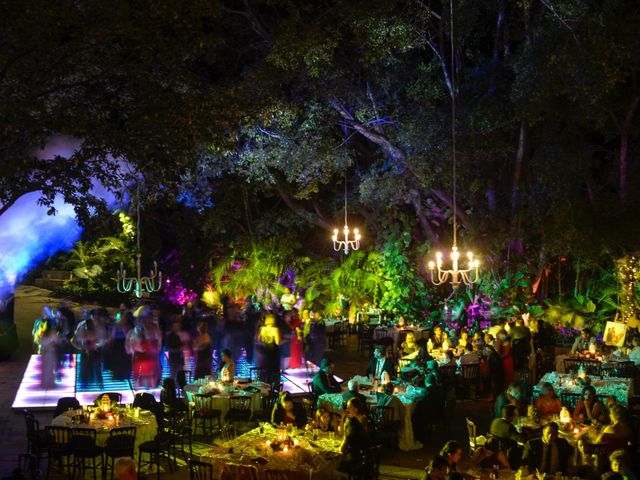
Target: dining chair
x,y
233,471
470,381
204,414
181,434
570,400
228,432
83,446
36,438
64,404
270,474
156,449
572,365
619,369
366,466
200,470
267,403
58,448
239,408
120,443
474,440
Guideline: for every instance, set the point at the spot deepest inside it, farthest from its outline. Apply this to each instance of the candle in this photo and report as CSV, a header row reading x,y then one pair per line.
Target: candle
x,y
285,449
296,441
575,430
592,349
268,442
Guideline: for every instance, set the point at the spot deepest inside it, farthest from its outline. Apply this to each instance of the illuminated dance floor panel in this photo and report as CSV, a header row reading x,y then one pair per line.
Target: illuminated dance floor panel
x,y
32,395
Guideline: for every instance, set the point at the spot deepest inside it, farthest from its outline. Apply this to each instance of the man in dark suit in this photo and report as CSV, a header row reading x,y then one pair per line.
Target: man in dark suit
x,y
324,381
548,454
508,436
380,363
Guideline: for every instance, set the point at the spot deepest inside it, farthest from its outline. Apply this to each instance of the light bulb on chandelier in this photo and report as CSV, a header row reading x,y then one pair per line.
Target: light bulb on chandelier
x,y
455,275
346,244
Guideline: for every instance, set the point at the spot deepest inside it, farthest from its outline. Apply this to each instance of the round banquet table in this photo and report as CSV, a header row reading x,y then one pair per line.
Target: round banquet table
x,y
394,332
146,426
310,459
333,402
221,400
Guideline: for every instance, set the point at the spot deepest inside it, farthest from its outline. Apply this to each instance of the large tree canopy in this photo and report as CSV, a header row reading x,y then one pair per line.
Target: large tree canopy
x,y
253,113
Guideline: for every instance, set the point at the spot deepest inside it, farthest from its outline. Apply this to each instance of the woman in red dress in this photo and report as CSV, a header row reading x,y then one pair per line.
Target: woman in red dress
x,y
296,361
507,358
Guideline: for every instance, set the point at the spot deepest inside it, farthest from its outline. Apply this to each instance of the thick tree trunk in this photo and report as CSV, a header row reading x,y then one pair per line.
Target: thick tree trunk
x,y
624,148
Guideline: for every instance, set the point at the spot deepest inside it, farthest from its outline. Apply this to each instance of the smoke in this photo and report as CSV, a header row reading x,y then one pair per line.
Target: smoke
x,y
28,235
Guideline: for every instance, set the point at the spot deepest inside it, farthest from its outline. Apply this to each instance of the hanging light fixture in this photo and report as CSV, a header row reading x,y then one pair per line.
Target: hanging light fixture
x,y
455,275
347,243
138,284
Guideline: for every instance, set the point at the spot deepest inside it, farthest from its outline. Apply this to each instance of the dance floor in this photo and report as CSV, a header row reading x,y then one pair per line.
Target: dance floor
x,y
32,395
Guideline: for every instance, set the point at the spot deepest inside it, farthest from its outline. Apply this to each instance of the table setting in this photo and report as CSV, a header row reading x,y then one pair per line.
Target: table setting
x,y
297,453
103,419
619,388
406,393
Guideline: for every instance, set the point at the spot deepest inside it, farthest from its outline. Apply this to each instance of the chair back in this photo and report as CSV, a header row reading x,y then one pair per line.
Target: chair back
x,y
145,401
114,397
619,369
203,403
448,373
200,470
570,400
64,404
276,475
33,426
471,372
268,401
183,377
228,432
58,436
82,439
472,434
381,414
27,466
240,403
121,442
232,471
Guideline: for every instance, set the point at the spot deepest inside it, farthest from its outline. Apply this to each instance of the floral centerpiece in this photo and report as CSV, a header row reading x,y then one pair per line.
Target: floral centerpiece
x,y
210,388
282,441
104,407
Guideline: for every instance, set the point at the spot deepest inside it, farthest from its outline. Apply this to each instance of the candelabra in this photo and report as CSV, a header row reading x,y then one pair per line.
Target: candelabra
x,y
347,244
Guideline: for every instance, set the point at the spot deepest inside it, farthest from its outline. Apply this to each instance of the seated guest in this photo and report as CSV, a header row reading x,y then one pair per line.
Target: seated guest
x,y
437,470
548,402
355,426
409,345
621,463
513,395
170,401
353,392
450,359
548,454
287,411
324,381
583,341
463,341
618,435
380,363
506,433
452,451
416,365
438,337
634,354
477,342
428,407
469,357
389,400
325,421
228,365
588,409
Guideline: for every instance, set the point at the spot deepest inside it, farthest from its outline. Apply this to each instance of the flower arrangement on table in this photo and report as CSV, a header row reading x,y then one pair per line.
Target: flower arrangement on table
x,y
282,441
210,388
105,408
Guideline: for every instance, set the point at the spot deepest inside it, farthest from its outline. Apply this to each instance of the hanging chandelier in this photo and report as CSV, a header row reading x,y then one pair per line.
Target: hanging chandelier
x,y
455,275
138,284
346,244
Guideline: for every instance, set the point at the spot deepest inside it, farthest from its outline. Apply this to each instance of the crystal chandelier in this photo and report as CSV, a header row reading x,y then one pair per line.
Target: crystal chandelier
x,y
347,243
455,275
138,284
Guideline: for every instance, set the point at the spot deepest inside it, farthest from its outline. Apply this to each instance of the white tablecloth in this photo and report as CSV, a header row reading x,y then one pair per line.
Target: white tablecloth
x,y
146,426
333,403
394,333
221,401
